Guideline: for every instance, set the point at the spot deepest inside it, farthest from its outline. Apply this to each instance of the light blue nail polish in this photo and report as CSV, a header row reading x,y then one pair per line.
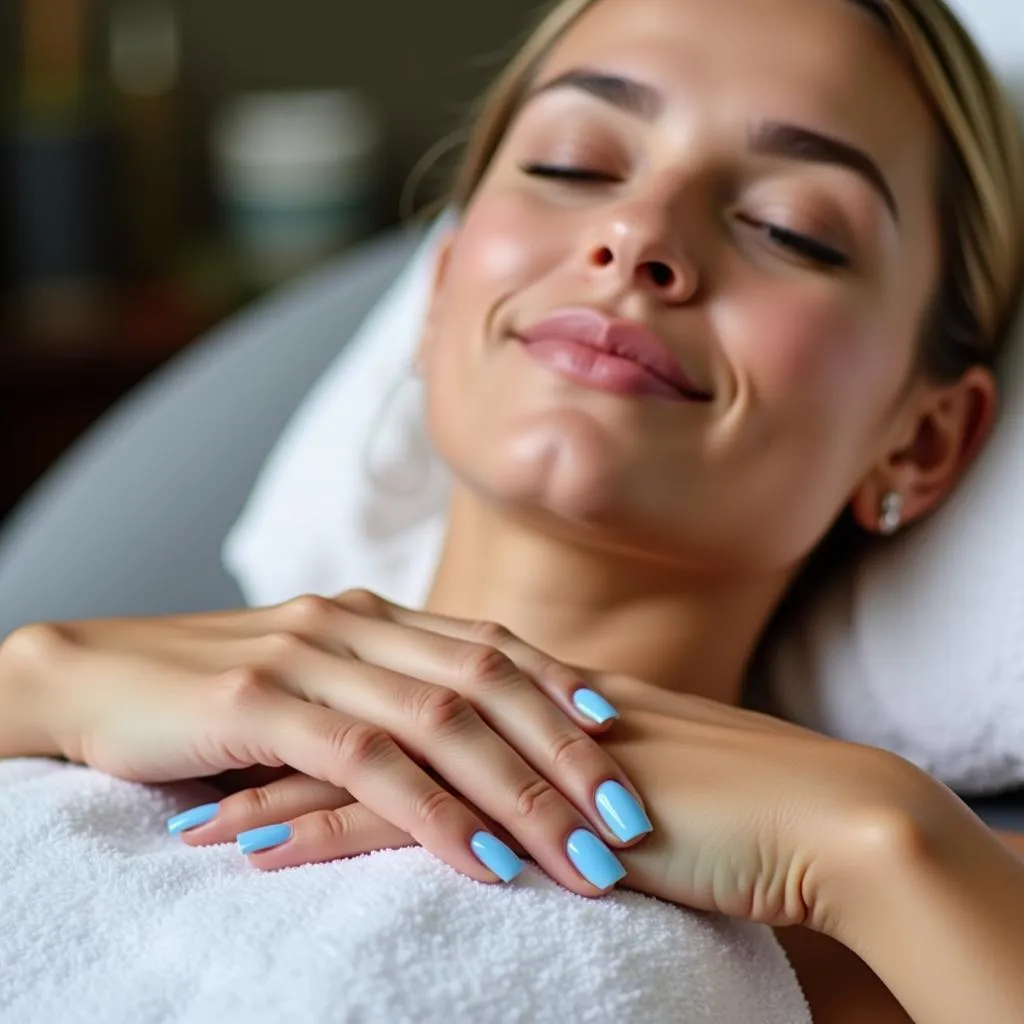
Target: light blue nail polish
x,y
265,838
593,860
594,706
494,854
192,819
621,813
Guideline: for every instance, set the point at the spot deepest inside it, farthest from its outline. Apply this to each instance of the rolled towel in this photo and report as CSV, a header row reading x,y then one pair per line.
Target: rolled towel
x,y
107,918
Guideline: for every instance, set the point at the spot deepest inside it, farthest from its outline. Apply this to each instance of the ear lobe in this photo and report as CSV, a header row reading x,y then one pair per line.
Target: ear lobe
x,y
949,432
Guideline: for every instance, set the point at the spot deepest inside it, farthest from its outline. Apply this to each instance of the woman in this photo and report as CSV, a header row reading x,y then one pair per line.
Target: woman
x,y
723,272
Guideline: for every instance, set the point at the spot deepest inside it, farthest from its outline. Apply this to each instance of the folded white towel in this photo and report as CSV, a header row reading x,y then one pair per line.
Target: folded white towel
x,y
107,919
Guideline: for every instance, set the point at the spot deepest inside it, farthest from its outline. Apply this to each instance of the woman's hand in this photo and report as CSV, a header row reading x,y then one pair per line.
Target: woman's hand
x,y
755,818
758,818
365,697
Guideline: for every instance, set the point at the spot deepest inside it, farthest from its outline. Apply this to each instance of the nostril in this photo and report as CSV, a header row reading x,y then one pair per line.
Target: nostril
x,y
661,274
603,257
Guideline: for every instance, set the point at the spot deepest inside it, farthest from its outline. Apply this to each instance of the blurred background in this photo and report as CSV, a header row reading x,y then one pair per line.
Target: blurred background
x,y
164,162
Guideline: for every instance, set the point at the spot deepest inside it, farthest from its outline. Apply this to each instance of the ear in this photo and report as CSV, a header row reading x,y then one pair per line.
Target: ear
x,y
442,258
944,428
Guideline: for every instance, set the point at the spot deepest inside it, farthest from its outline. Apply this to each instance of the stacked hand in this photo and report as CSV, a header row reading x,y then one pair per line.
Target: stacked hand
x,y
382,727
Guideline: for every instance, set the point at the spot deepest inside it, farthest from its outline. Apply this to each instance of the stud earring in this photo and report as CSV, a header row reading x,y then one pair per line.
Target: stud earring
x,y
891,518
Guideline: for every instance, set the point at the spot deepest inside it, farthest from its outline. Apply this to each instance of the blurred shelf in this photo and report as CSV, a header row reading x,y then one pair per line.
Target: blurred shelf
x,y
51,392
81,371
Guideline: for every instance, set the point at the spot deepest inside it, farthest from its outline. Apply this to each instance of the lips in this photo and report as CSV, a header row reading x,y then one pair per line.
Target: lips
x,y
616,355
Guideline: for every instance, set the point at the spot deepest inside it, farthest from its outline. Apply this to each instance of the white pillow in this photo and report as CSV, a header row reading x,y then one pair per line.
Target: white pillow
x,y
333,507
920,650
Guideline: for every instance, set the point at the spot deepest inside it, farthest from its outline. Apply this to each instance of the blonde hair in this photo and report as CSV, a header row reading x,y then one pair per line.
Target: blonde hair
x,y
981,177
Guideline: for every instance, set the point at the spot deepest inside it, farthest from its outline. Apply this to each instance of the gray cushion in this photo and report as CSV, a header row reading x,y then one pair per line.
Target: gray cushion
x,y
132,520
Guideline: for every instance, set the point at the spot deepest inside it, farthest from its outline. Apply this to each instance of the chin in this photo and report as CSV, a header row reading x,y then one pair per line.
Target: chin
x,y
563,462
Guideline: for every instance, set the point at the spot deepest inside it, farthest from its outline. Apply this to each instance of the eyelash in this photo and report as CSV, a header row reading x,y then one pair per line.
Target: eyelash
x,y
576,174
801,245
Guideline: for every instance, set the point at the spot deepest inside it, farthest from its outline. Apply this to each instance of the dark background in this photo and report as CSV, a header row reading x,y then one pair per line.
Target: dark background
x,y
421,63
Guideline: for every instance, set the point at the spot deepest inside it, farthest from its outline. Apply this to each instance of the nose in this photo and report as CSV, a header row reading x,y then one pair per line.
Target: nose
x,y
636,247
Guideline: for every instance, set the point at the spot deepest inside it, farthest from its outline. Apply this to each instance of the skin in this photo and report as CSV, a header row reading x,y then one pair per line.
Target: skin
x,y
619,532
644,542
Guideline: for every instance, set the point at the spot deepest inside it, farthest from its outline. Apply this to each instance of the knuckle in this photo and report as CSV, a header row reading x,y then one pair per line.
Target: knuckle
x,y
571,751
558,674
249,805
490,634
436,809
310,613
533,798
283,647
484,666
361,744
240,687
36,644
332,827
442,709
362,602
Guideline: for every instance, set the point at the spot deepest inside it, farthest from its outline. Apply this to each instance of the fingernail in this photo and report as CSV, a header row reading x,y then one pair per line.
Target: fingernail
x,y
593,860
192,819
621,812
495,855
594,706
265,838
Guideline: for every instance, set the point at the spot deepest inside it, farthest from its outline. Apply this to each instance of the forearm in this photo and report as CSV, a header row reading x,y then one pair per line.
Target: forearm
x,y
938,913
23,732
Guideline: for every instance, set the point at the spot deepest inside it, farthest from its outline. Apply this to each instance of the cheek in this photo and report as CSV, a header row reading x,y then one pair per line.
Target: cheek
x,y
500,250
814,357
501,245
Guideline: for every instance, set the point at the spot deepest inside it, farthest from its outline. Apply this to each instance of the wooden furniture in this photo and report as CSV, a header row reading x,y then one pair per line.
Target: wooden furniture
x,y
51,392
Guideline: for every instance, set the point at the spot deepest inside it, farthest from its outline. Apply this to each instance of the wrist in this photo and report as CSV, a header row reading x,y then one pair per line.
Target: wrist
x,y
897,825
23,705
924,891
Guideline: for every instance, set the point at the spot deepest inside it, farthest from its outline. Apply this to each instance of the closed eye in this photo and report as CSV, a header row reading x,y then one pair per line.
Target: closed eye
x,y
572,174
801,245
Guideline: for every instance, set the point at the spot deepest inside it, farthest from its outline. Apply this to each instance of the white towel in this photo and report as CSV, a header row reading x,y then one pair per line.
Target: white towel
x,y
107,919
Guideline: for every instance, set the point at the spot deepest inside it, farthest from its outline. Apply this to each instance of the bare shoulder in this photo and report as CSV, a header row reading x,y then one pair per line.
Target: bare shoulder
x,y
1012,841
840,988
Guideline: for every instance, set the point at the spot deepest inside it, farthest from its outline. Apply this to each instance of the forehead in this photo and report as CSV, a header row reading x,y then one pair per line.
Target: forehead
x,y
827,64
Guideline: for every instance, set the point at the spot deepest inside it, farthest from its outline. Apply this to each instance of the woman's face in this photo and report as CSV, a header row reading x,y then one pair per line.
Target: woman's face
x,y
753,182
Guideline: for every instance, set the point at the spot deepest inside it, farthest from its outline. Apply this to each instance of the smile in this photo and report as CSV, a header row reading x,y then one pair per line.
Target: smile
x,y
618,356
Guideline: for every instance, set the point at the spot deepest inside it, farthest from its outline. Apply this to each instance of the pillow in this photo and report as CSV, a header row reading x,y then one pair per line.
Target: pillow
x,y
353,494
919,650
997,26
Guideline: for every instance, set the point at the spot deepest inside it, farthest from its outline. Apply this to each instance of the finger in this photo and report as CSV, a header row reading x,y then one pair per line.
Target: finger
x,y
331,623
323,835
513,714
564,685
364,760
335,833
446,730
281,800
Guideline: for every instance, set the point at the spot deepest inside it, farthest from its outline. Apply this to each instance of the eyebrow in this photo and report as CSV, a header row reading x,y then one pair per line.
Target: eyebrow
x,y
767,138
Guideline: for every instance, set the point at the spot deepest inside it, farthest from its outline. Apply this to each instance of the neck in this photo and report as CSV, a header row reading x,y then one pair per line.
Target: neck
x,y
600,611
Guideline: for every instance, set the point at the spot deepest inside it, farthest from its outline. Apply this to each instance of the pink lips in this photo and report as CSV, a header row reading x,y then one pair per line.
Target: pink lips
x,y
621,356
